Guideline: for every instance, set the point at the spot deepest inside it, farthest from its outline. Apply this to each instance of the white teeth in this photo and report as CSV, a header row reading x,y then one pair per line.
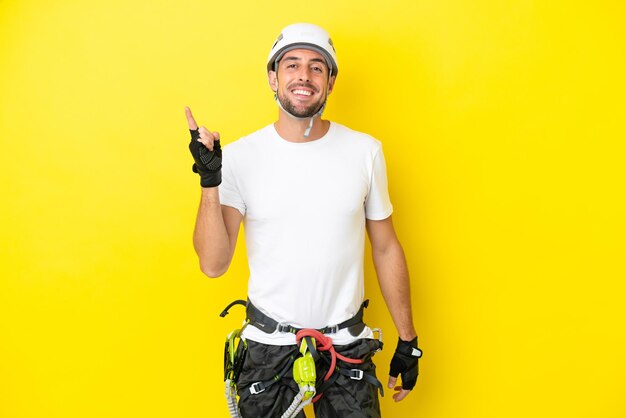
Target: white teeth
x,y
302,92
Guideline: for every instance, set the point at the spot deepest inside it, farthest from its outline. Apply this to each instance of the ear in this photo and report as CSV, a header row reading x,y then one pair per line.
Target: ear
x,y
331,84
272,80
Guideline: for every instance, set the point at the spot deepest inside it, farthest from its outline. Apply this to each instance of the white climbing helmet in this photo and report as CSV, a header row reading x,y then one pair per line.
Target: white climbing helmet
x,y
307,36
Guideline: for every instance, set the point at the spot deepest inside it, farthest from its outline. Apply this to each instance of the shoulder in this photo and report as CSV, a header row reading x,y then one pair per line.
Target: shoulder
x,y
356,139
247,144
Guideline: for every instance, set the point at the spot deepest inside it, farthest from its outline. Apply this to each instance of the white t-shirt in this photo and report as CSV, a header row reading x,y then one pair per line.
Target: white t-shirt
x,y
304,208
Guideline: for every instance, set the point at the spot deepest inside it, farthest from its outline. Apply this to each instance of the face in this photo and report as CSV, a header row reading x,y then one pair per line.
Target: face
x,y
301,82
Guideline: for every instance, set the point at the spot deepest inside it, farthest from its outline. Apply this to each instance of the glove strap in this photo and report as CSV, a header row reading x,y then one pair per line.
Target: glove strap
x,y
409,348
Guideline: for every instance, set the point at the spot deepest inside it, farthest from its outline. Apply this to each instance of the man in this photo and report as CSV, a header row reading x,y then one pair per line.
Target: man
x,y
306,190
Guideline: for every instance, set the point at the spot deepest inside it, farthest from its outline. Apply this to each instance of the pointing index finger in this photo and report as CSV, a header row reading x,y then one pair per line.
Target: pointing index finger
x,y
190,120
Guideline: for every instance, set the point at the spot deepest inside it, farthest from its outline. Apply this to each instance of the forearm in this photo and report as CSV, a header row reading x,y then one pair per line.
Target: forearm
x,y
210,237
393,278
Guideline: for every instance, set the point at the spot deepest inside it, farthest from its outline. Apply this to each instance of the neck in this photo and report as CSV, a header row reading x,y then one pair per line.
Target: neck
x,y
292,130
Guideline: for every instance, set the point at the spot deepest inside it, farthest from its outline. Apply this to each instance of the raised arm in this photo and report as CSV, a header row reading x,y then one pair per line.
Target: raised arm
x,y
215,235
217,226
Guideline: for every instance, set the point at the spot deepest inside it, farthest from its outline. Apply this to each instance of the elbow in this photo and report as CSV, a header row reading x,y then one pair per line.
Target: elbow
x,y
213,271
390,248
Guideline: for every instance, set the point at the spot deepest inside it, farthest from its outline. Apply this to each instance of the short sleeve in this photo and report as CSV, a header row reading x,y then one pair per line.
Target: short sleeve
x,y
229,192
377,203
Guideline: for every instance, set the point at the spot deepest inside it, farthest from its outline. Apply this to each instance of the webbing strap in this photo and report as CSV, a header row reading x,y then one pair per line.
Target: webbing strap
x,y
358,374
230,305
325,385
311,347
262,386
269,325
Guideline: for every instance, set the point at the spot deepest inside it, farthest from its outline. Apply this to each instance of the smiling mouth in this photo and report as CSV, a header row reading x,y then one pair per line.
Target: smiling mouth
x,y
299,92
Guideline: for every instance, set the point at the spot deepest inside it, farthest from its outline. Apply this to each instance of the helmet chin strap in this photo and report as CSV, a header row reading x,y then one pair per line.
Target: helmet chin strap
x,y
307,131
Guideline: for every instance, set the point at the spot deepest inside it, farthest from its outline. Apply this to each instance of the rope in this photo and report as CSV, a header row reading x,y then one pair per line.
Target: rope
x,y
325,343
233,410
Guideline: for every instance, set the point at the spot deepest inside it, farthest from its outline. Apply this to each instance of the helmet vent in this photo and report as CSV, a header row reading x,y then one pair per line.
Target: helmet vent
x,y
280,37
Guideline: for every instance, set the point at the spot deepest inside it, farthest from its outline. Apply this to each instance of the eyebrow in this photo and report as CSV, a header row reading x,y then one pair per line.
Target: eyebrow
x,y
292,58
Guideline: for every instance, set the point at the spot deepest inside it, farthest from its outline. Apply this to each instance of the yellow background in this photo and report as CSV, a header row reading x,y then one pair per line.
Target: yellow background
x,y
503,129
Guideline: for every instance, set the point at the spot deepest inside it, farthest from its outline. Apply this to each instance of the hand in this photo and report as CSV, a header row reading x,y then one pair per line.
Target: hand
x,y
404,362
206,151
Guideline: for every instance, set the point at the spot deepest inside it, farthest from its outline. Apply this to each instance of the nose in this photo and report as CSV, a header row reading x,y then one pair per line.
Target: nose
x,y
304,74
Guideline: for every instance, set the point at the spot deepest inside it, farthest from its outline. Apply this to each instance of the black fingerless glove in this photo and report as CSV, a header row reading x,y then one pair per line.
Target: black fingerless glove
x,y
405,362
208,164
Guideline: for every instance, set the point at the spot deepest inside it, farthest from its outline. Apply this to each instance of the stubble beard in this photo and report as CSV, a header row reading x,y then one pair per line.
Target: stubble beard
x,y
307,112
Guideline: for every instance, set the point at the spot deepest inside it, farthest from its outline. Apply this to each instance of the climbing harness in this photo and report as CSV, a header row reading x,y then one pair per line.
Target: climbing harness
x,y
315,351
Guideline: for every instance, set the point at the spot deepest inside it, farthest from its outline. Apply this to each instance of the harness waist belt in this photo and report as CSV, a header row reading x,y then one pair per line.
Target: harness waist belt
x,y
269,325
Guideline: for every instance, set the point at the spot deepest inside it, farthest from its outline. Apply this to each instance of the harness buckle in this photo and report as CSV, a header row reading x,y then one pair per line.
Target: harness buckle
x,y
282,327
257,388
356,374
332,330
380,336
